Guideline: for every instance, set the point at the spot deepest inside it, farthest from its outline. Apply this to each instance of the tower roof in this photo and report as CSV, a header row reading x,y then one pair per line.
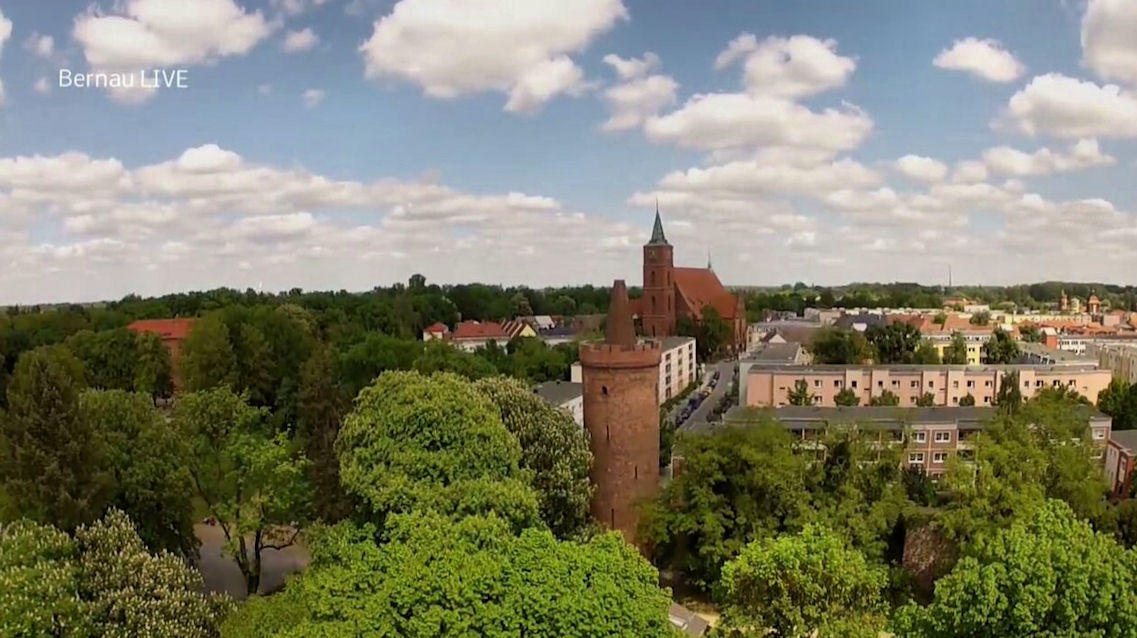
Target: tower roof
x,y
619,331
657,236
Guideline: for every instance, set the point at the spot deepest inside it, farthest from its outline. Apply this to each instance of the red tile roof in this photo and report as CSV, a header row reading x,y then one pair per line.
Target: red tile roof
x,y
437,328
169,329
480,330
701,287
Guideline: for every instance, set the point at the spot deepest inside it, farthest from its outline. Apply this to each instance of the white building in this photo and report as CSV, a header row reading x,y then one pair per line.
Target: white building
x,y
677,367
564,394
1119,358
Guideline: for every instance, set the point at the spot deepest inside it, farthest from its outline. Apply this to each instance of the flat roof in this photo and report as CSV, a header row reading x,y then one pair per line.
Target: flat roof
x,y
559,392
1126,438
1060,356
774,352
1088,366
671,343
869,417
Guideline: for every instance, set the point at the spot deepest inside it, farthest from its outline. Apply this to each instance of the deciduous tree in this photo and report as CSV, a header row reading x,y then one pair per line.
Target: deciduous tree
x,y
800,394
847,397
1001,348
207,356
841,347
885,399
956,351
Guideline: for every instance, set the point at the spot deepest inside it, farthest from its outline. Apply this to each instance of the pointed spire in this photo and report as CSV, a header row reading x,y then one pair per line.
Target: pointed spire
x,y
709,259
657,236
619,329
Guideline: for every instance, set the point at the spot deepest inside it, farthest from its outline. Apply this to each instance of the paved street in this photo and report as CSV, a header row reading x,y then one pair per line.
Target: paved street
x,y
726,371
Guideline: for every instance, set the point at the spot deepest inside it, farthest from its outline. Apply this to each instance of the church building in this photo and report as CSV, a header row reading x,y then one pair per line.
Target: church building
x,y
671,293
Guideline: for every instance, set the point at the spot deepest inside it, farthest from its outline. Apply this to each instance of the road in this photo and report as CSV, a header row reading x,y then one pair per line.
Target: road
x,y
726,370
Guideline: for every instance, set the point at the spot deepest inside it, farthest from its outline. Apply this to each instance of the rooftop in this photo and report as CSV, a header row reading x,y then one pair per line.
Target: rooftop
x,y
670,343
775,353
910,368
871,417
175,329
1058,356
559,392
1126,438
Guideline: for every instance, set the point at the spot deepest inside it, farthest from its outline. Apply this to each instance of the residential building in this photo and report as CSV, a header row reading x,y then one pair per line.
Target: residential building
x,y
671,293
930,436
1119,460
517,329
436,330
566,395
770,385
1040,353
471,335
677,366
557,335
172,332
1118,358
788,354
798,330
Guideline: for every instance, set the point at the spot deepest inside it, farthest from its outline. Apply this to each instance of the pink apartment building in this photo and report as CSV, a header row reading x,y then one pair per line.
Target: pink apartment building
x,y
769,386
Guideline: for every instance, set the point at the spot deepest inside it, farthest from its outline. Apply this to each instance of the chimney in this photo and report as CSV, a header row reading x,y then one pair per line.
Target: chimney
x,y
619,331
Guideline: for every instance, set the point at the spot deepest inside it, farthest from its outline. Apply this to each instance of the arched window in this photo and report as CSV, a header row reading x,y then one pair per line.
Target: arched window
x,y
653,278
653,304
604,389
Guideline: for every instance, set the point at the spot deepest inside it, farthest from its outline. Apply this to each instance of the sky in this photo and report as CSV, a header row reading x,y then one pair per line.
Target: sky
x,y
344,144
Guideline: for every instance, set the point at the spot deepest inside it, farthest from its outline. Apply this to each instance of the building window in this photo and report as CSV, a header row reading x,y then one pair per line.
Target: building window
x,y
916,457
613,515
914,384
955,384
1099,435
853,384
987,400
880,384
912,400
895,383
837,383
817,383
931,384
603,389
816,400
919,437
955,400
939,457
971,384
636,471
987,384
943,437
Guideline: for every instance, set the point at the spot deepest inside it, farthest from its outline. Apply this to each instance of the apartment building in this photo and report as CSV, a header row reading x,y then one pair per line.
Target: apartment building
x,y
930,436
1120,454
566,395
1118,358
770,385
677,367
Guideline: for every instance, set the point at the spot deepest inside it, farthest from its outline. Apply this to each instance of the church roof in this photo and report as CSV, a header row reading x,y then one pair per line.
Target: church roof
x,y
701,287
657,236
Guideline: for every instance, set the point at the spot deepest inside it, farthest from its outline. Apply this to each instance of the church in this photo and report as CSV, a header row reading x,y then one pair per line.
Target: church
x,y
670,293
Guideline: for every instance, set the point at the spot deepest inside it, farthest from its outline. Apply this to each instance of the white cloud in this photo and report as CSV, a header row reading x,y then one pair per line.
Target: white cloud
x,y
725,121
923,169
1109,39
787,67
1082,154
42,86
748,178
639,95
5,30
985,59
40,45
1054,104
312,98
295,7
3,95
296,41
138,34
969,172
460,47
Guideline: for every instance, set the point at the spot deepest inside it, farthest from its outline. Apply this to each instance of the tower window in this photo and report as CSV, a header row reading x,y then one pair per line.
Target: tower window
x,y
604,389
636,470
653,277
613,515
607,433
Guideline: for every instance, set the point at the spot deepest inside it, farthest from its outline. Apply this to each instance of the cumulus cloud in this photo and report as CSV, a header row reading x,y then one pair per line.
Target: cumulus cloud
x,y
297,41
136,34
984,59
42,86
639,95
40,45
295,7
791,67
5,30
312,98
1109,39
922,169
1081,155
452,48
1054,104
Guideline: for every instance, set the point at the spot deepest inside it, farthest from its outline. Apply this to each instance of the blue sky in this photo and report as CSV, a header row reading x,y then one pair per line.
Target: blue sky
x,y
466,139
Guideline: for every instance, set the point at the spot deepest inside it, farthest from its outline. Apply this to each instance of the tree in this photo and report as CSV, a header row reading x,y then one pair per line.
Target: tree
x,y
254,370
1119,401
940,318
40,594
320,408
926,400
416,441
1030,333
553,447
437,356
926,354
52,464
110,357
1121,521
1001,348
840,347
737,485
885,399
893,343
373,356
416,283
967,401
799,584
148,475
207,360
1048,574
800,395
251,481
1009,395
436,577
714,334
980,318
153,374
520,305
846,397
956,351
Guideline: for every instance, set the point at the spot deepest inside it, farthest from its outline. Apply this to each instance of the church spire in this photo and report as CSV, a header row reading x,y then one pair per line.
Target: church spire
x,y
657,236
709,259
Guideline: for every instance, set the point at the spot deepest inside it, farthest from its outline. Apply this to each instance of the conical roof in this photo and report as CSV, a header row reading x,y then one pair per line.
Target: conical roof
x,y
619,330
657,236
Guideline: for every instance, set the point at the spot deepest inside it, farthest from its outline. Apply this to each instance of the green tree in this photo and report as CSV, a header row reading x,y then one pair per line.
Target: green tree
x,y
320,409
926,354
800,394
940,318
846,397
207,360
254,368
438,578
153,374
110,357
840,347
981,318
52,464
1119,401
956,351
1009,395
553,447
805,584
437,356
376,354
520,305
1121,521
148,475
714,334
893,343
885,399
416,441
926,400
1048,574
39,593
967,401
251,481
1001,348
1030,333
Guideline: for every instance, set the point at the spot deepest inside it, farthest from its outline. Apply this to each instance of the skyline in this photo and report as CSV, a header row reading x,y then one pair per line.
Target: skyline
x,y
328,144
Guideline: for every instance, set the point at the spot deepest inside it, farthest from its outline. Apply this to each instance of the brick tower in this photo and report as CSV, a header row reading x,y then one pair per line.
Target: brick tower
x,y
658,310
621,413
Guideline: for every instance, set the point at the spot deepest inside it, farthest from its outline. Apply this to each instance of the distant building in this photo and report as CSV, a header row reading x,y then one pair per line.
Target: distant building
x,y
471,335
933,436
787,354
677,366
1119,462
438,330
564,394
172,332
1118,358
517,329
557,335
769,385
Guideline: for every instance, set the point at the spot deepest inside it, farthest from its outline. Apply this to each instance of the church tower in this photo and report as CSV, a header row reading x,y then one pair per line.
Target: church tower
x,y
621,413
658,310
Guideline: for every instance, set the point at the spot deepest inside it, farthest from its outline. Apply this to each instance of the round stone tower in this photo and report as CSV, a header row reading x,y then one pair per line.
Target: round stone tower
x,y
621,413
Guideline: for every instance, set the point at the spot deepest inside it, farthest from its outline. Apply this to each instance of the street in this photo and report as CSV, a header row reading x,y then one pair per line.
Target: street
x,y
726,370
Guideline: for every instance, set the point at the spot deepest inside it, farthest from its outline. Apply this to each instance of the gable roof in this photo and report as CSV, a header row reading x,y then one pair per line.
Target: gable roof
x,y
169,329
701,287
480,330
437,328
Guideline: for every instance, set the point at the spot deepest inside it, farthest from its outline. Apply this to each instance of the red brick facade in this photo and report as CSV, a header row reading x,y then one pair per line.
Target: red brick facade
x,y
621,413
